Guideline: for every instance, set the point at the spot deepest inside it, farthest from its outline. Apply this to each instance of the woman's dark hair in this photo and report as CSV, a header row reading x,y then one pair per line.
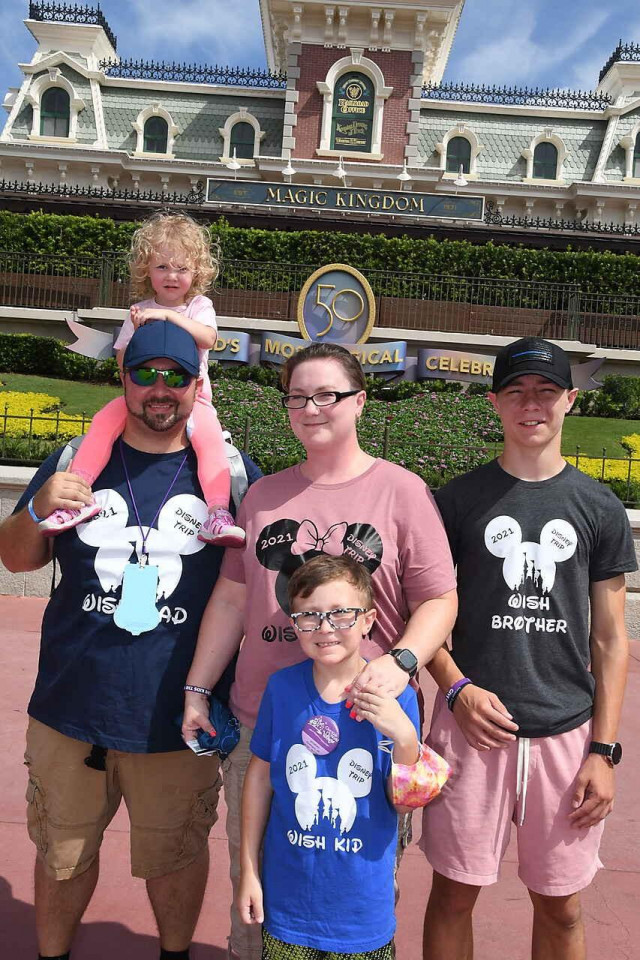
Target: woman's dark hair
x,y
325,351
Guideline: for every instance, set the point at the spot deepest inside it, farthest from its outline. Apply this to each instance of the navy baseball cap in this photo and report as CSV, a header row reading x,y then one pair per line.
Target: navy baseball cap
x,y
160,338
531,355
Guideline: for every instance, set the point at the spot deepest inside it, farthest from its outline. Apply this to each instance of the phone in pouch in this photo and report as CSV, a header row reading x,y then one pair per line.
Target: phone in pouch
x,y
198,750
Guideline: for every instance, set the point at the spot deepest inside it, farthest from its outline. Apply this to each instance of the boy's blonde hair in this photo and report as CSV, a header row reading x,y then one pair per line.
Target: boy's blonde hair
x,y
176,230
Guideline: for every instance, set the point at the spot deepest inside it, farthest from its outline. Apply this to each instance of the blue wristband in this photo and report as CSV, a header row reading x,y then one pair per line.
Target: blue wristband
x,y
34,516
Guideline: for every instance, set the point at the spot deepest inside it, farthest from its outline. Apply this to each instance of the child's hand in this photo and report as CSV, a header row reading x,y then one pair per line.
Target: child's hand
x,y
249,902
386,715
140,317
137,316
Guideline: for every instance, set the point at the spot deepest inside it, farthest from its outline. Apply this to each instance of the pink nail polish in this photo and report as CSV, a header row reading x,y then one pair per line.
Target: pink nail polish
x,y
353,715
349,704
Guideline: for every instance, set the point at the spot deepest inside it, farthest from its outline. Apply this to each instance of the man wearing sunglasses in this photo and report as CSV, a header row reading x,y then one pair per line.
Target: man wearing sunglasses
x,y
118,637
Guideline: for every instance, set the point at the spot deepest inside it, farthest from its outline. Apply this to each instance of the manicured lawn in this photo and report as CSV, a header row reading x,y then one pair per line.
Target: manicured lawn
x,y
594,433
76,397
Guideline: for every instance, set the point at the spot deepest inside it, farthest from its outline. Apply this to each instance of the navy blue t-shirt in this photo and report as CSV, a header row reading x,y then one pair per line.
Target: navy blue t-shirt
x,y
97,682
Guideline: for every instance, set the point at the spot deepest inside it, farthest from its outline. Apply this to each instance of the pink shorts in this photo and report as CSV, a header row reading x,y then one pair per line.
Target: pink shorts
x,y
466,829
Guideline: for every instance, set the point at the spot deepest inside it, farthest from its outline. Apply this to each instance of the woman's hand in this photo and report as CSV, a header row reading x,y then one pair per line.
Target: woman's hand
x,y
196,716
382,676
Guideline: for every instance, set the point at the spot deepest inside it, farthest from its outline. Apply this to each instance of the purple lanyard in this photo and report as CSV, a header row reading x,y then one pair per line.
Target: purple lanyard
x,y
135,505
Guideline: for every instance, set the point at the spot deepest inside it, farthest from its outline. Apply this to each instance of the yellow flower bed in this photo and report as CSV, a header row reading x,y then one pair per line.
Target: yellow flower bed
x,y
613,469
16,404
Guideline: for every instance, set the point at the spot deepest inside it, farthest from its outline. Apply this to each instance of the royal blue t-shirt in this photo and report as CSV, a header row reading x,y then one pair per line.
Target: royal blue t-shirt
x,y
330,842
97,682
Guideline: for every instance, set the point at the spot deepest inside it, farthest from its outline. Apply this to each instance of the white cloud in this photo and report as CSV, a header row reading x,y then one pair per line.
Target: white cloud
x,y
518,56
221,31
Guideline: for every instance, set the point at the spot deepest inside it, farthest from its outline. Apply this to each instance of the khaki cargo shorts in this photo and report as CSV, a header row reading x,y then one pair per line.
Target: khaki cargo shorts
x,y
171,799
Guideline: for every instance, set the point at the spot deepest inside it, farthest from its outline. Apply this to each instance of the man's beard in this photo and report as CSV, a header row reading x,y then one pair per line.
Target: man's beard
x,y
160,422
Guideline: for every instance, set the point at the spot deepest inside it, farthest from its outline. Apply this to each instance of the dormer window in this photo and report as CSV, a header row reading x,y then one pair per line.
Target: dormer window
x,y
458,155
545,161
55,113
156,135
243,137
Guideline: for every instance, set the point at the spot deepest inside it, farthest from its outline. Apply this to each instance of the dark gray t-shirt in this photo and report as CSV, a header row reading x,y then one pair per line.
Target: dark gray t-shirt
x,y
526,554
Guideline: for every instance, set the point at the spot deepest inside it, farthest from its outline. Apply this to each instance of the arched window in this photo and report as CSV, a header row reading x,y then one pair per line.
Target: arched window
x,y
352,114
243,138
54,113
636,158
156,133
545,161
458,155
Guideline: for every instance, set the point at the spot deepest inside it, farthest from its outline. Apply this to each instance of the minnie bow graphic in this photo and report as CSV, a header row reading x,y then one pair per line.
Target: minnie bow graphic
x,y
308,538
286,544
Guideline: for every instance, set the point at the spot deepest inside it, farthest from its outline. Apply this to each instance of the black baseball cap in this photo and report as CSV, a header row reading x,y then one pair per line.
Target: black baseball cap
x,y
531,355
161,338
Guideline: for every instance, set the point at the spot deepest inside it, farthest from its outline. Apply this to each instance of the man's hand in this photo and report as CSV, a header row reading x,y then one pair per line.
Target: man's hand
x,y
63,490
594,792
249,901
196,716
483,718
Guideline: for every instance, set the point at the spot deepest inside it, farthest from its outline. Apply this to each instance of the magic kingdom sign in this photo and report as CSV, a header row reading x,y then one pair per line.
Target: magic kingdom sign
x,y
345,199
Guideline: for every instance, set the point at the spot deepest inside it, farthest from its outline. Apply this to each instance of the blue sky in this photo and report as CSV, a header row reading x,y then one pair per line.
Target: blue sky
x,y
535,43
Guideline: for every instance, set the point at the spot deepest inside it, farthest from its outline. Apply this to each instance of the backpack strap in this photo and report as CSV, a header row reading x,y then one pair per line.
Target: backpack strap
x,y
239,479
68,452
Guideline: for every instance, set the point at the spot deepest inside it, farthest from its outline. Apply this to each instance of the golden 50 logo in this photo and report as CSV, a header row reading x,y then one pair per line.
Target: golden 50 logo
x,y
336,305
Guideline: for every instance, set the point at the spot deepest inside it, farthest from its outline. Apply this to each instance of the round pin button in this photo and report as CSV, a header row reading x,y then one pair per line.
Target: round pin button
x,y
320,735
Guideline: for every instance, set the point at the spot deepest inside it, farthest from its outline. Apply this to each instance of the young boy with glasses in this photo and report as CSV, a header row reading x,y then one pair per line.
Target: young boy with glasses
x,y
317,783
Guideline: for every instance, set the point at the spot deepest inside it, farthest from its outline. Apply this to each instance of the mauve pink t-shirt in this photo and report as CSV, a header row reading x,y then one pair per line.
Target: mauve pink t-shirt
x,y
385,518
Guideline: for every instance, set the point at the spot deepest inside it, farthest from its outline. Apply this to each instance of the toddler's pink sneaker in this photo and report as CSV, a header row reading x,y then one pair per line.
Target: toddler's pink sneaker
x,y
220,529
61,520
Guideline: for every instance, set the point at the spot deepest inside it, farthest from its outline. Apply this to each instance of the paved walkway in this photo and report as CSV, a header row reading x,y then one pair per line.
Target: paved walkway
x,y
119,921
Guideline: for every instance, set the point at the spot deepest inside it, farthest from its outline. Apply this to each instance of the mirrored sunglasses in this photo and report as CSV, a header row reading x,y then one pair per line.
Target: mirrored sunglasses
x,y
147,376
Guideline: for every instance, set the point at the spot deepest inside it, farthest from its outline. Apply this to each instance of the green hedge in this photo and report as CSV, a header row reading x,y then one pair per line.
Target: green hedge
x,y
592,271
48,357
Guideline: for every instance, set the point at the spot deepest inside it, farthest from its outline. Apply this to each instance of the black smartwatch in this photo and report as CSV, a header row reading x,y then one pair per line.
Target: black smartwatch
x,y
405,660
612,751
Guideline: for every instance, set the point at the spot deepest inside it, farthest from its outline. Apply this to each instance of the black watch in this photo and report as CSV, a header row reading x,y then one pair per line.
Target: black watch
x,y
612,751
406,660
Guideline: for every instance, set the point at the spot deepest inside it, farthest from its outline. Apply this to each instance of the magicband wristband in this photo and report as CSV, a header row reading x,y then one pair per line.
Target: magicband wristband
x,y
452,693
32,513
189,688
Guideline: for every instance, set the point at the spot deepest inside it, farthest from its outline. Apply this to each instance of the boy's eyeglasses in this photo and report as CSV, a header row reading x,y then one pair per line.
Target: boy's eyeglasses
x,y
147,376
296,401
340,619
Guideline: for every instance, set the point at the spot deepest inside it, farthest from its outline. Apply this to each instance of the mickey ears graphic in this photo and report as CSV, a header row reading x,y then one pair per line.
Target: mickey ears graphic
x,y
503,539
285,545
354,779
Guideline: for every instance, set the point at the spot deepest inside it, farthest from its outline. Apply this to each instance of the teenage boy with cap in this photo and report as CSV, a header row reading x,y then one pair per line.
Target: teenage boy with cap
x,y
118,637
532,689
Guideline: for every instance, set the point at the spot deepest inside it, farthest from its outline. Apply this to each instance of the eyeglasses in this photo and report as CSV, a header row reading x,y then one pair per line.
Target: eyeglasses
x,y
296,401
340,619
147,376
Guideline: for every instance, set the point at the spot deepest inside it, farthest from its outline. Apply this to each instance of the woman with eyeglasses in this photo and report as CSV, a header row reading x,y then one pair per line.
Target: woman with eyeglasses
x,y
339,501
